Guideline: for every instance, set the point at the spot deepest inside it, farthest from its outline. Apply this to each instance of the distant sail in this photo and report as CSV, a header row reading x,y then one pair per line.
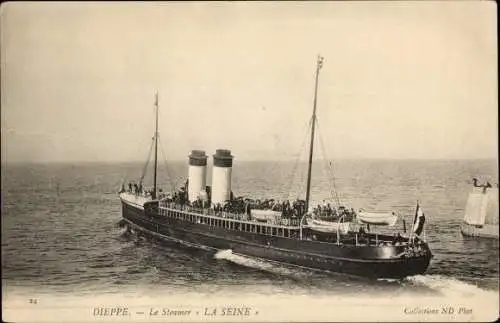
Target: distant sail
x,y
479,204
492,208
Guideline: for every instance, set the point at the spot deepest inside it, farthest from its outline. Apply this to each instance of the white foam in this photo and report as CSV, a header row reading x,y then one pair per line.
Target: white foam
x,y
451,287
252,262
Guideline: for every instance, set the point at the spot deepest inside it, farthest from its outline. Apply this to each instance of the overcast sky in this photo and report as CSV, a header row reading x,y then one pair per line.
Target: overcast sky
x,y
400,79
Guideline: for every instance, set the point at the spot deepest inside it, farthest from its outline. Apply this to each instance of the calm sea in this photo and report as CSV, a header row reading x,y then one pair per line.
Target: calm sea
x,y
60,233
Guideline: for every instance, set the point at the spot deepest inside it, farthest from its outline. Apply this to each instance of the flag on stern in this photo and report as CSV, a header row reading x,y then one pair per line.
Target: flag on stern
x,y
418,222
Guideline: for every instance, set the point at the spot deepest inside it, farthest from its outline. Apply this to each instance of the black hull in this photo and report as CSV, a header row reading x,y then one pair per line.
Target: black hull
x,y
353,260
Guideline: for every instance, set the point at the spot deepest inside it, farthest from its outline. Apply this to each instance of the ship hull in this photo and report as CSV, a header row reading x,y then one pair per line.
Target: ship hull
x,y
358,261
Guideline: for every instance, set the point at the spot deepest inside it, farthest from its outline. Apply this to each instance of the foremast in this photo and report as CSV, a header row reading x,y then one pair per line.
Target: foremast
x,y
313,124
153,193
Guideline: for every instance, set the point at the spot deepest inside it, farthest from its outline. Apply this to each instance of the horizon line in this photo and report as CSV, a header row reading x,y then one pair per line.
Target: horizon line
x,y
5,162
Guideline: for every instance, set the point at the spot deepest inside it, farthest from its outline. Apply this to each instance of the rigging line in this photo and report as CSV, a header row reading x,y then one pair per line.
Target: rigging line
x,y
147,161
331,177
303,173
128,170
329,170
170,179
294,169
302,183
303,170
295,165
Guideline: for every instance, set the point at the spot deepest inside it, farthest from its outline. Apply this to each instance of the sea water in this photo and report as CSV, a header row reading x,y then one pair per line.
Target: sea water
x,y
61,244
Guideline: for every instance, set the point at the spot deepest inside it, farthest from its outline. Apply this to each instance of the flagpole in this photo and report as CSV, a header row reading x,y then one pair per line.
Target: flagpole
x,y
413,224
153,195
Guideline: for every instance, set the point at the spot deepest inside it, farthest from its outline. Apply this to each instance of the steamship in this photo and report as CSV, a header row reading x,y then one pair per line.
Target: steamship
x,y
211,218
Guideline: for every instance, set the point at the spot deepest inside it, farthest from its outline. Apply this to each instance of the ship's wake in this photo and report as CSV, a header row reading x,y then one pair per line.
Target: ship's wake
x,y
450,286
120,229
121,224
253,262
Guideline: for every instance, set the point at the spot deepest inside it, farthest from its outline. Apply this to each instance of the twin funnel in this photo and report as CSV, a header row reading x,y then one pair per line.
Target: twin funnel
x,y
197,174
221,176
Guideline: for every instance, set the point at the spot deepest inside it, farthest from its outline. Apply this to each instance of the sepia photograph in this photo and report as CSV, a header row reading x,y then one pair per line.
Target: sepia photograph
x,y
305,161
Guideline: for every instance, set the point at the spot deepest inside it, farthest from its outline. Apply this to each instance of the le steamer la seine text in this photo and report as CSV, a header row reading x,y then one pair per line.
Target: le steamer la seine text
x,y
117,311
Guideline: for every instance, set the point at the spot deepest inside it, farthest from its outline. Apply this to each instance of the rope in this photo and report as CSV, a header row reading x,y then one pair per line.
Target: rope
x,y
147,161
294,169
331,178
126,174
302,182
169,176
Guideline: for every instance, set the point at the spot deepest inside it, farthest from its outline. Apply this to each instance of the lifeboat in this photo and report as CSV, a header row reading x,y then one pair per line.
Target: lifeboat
x,y
329,227
377,218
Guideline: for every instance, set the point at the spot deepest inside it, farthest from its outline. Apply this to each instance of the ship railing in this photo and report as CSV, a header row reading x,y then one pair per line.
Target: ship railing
x,y
369,240
205,211
277,221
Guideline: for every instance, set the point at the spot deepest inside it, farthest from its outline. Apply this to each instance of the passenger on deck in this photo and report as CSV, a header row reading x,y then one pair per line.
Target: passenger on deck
x,y
130,187
397,239
394,237
328,209
361,235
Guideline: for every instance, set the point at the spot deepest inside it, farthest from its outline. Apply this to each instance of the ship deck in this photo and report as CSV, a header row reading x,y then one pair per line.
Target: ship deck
x,y
280,227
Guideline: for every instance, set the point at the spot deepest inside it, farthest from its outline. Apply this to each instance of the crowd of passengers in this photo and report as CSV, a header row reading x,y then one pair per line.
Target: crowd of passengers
x,y
240,205
296,208
326,211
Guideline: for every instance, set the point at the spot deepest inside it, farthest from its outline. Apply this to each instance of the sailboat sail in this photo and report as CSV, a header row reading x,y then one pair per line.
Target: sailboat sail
x,y
477,203
492,207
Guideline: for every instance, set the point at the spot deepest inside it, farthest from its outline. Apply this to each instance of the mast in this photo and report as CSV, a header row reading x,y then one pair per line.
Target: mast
x,y
153,195
311,147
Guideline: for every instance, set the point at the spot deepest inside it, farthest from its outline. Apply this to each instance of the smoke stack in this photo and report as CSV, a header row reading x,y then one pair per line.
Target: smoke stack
x,y
221,176
197,174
